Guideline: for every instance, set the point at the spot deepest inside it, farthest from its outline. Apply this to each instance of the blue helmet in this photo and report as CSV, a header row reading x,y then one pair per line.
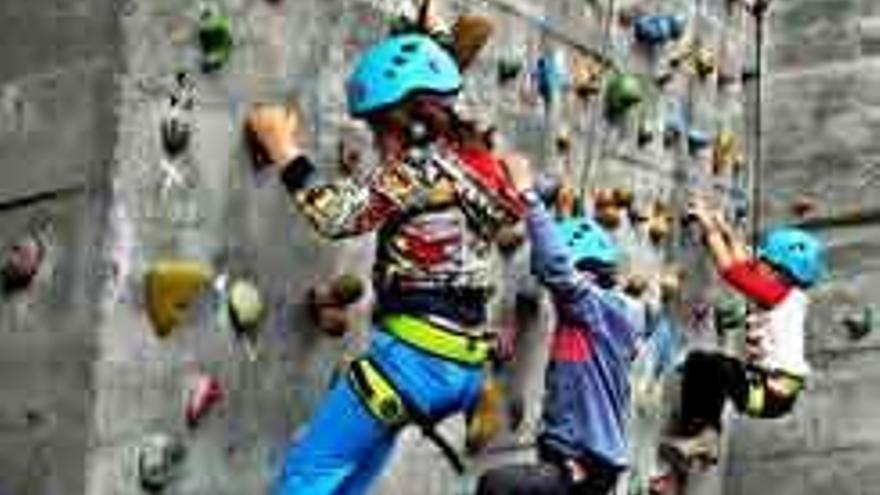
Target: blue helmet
x,y
588,241
799,254
397,67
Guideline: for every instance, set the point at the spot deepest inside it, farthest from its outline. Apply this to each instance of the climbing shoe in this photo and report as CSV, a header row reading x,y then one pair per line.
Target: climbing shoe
x,y
700,451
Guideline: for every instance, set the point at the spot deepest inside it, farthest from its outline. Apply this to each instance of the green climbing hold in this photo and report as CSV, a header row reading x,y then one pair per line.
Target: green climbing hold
x,y
246,307
625,91
215,38
730,314
860,326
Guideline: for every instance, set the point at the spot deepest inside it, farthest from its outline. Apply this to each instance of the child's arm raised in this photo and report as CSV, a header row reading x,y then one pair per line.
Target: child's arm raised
x,y
339,209
733,261
551,262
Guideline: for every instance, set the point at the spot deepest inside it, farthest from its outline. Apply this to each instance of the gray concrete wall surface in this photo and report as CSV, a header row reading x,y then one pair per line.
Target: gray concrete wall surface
x,y
821,142
57,132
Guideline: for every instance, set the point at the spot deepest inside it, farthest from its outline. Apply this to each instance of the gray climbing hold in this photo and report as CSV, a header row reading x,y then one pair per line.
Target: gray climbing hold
x,y
160,457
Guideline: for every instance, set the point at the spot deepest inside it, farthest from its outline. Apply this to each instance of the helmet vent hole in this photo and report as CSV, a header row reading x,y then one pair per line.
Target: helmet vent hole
x,y
398,61
390,74
409,47
434,67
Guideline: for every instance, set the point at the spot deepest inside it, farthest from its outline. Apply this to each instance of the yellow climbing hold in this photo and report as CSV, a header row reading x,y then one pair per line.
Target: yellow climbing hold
x,y
486,421
470,34
171,287
246,306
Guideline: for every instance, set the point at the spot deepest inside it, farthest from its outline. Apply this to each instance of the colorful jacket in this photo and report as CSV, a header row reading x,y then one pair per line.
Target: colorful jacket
x,y
587,396
436,215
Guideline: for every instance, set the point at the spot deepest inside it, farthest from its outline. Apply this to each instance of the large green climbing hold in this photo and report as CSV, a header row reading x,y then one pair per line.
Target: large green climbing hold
x,y
625,91
215,38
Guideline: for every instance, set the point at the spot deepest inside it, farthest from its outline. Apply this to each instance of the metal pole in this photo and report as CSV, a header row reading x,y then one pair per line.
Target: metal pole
x,y
759,11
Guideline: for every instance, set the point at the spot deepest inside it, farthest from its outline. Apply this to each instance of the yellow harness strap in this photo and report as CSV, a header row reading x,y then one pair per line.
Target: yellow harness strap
x,y
783,386
426,336
377,392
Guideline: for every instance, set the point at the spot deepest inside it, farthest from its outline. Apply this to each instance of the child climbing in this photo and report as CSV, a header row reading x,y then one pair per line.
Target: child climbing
x,y
767,382
582,446
437,202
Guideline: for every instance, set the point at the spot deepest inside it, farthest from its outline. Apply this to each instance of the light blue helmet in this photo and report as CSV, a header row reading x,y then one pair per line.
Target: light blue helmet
x,y
397,67
799,254
588,241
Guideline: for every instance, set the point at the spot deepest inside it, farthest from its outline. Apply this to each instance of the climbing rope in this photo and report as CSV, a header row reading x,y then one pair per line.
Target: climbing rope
x,y
759,11
596,117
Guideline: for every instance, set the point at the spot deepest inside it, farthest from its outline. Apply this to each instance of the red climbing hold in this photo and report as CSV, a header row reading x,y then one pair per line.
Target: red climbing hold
x,y
202,398
22,263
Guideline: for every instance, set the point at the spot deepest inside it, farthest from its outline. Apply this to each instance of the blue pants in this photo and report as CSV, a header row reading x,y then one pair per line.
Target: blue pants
x,y
345,447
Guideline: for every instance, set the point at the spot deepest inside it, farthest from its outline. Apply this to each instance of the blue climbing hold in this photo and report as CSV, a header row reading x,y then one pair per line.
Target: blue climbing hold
x,y
654,30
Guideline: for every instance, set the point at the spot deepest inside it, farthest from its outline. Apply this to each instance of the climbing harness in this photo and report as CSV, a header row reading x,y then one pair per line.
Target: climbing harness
x,y
765,386
391,406
471,349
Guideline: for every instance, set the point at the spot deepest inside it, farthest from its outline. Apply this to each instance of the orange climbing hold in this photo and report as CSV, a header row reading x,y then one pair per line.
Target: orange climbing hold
x,y
726,152
586,75
171,287
470,34
487,421
328,303
660,222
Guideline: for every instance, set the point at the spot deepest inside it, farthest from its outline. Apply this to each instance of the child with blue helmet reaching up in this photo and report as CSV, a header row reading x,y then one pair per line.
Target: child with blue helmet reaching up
x,y
437,202
766,382
582,445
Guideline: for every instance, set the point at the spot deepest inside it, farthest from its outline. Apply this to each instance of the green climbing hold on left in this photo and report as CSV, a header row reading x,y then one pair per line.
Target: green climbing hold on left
x,y
625,91
215,39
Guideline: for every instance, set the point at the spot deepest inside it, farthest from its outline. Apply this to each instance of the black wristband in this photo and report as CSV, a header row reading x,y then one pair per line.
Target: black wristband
x,y
296,174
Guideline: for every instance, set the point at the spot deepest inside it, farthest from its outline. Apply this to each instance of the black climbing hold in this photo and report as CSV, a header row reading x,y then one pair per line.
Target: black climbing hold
x,y
159,461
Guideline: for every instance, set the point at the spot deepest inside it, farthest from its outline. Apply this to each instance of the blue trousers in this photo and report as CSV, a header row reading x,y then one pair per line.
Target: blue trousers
x,y
345,447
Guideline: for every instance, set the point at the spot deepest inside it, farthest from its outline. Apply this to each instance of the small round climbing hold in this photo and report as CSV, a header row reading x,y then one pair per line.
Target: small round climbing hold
x,y
22,262
246,307
215,39
175,135
625,91
159,460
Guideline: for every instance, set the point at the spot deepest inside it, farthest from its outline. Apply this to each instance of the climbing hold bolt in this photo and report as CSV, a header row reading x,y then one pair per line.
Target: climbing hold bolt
x,y
22,262
159,459
171,286
215,39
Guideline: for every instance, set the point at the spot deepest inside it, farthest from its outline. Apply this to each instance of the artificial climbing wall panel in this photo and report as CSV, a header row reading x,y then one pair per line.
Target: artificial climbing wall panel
x,y
536,81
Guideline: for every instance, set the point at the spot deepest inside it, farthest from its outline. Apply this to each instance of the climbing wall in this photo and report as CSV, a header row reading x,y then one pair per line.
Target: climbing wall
x,y
632,102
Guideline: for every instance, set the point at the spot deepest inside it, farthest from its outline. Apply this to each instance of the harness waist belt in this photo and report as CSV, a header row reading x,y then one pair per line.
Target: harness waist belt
x,y
422,334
